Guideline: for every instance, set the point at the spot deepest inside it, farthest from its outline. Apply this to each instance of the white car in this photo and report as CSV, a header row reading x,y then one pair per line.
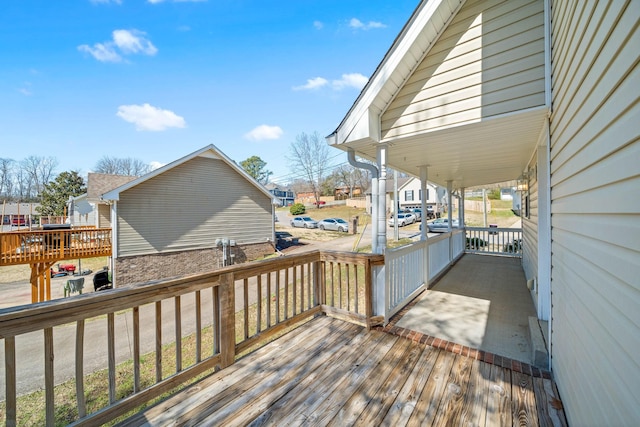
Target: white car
x,y
304,222
403,219
335,224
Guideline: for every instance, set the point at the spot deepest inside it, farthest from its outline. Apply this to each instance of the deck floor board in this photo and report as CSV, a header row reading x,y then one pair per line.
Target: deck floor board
x,y
328,372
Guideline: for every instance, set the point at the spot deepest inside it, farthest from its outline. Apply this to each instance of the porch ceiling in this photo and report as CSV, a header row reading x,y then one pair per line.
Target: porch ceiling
x,y
485,152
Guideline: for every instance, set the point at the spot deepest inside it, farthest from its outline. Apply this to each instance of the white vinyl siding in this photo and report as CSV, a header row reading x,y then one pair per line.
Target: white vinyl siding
x,y
530,229
595,211
489,61
104,215
189,207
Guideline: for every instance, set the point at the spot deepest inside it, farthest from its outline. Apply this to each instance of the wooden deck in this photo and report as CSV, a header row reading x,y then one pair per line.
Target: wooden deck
x,y
330,372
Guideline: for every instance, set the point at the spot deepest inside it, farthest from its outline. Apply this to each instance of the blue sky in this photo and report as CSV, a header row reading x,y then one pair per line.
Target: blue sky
x,y
157,80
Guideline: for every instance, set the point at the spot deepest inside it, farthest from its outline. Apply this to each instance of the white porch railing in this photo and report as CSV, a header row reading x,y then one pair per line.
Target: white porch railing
x,y
409,269
494,241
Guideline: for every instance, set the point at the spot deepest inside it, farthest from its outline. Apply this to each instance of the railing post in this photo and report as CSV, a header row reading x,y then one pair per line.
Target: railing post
x,y
319,287
227,320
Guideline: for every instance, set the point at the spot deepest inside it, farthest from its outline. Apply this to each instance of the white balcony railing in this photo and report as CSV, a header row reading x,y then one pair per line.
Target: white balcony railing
x,y
494,241
410,268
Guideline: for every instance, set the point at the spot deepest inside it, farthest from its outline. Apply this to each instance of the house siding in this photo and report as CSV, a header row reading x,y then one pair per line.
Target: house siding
x,y
489,61
530,230
196,202
104,216
595,211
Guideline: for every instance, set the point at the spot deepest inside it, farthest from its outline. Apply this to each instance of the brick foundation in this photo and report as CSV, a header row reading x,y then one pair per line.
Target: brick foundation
x,y
145,268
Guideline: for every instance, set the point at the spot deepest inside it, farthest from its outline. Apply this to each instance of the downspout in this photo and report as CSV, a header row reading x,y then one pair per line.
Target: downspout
x,y
375,195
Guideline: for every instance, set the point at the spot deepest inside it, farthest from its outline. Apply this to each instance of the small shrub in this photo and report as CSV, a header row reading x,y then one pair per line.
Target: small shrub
x,y
475,243
494,194
513,247
297,209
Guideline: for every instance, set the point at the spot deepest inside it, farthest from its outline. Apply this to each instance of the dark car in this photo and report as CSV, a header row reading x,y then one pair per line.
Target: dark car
x,y
441,225
335,224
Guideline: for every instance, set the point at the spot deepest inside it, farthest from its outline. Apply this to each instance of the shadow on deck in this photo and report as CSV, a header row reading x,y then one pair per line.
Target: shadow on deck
x,y
481,303
329,372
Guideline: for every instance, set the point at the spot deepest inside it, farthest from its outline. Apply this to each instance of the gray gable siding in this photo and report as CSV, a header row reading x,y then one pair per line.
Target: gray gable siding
x,y
489,61
189,207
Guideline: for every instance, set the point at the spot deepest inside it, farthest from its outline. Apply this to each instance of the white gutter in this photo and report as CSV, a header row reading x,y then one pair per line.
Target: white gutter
x,y
375,196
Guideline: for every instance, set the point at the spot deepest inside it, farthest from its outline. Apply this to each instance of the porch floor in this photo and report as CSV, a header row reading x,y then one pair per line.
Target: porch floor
x,y
482,303
329,372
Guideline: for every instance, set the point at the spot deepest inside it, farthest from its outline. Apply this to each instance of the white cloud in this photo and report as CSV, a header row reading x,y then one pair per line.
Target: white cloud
x,y
133,41
124,42
26,89
359,25
314,83
355,80
263,132
318,25
352,80
149,118
102,52
156,165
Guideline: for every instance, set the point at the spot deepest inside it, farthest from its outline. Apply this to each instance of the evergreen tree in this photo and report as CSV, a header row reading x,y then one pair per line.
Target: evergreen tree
x,y
56,193
255,167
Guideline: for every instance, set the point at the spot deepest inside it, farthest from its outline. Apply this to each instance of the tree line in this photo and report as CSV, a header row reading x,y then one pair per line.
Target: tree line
x,y
34,179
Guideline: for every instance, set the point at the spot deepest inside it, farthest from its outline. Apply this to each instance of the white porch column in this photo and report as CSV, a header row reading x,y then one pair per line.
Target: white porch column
x,y
461,207
381,238
424,175
544,231
449,204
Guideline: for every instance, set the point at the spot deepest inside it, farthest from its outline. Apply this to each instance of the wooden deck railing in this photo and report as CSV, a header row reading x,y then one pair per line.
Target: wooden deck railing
x,y
225,312
28,247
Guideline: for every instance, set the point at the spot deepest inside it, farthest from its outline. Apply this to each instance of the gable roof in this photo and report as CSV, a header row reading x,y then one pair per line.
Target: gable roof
x,y
100,183
464,152
209,151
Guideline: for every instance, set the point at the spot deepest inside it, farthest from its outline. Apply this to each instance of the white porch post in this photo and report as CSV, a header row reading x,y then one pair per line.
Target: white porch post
x,y
449,200
461,208
544,231
381,238
114,242
424,175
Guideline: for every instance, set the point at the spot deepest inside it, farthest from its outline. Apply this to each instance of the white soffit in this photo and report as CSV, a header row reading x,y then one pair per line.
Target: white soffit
x,y
488,151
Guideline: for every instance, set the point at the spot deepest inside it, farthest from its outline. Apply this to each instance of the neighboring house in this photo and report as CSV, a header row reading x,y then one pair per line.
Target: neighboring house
x,y
89,209
196,214
410,195
284,195
345,192
544,92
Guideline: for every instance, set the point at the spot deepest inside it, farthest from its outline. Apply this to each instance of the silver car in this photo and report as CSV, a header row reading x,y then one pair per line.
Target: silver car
x,y
335,224
403,219
304,222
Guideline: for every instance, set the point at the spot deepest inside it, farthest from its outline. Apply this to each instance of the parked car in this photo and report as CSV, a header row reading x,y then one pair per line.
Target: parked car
x,y
417,212
335,224
441,225
403,219
304,222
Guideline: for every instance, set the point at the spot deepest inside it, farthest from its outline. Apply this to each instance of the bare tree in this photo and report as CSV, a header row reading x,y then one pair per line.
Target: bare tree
x,y
122,166
309,157
38,171
6,178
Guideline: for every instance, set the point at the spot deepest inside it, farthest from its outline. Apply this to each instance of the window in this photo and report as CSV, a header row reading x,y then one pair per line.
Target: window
x,y
408,195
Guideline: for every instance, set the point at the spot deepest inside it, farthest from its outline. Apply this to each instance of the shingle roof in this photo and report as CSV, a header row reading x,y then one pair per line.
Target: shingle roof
x,y
100,183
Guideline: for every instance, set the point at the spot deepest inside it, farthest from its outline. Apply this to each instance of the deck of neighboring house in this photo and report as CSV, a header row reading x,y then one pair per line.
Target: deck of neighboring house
x,y
330,372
